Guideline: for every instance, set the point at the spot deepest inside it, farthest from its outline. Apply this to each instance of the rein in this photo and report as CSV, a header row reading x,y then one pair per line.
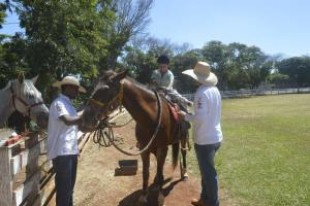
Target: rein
x,y
29,106
99,134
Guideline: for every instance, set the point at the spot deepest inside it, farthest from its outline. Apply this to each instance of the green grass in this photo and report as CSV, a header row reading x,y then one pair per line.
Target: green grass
x,y
265,156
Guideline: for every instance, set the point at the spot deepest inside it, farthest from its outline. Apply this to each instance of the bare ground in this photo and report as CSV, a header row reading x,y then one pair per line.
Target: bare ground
x,y
97,184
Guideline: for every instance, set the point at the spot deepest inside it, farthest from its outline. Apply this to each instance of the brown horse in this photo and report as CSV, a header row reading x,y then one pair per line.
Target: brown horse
x,y
152,115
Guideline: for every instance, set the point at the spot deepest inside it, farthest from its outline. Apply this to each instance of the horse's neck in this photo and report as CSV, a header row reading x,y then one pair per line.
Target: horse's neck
x,y
137,101
6,108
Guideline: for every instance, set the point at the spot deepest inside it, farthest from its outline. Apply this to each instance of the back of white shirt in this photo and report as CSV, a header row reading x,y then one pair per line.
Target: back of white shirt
x,y
61,138
207,116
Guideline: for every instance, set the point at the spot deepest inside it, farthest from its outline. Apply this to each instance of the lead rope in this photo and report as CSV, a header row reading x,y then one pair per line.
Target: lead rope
x,y
110,134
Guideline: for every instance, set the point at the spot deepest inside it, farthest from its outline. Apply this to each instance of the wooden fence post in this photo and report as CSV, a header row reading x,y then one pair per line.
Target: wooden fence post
x,y
6,184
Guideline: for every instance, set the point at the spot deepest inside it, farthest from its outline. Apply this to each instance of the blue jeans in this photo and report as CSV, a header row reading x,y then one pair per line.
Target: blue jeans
x,y
205,156
65,168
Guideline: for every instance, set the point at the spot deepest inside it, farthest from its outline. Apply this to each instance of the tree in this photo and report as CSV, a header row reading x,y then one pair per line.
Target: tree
x,y
13,59
131,20
65,36
141,55
298,70
279,80
183,62
217,54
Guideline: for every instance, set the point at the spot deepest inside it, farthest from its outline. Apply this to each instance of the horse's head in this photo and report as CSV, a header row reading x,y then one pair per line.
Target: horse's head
x,y
106,97
28,100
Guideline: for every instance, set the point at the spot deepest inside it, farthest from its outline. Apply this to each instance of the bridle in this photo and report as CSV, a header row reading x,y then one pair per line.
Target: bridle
x,y
112,104
99,135
29,106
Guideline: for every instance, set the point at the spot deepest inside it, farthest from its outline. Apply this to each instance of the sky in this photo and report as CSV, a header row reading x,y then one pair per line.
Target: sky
x,y
275,26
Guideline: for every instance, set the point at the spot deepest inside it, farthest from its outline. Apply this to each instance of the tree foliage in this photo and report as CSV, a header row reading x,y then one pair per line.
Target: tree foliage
x,y
87,37
298,70
132,17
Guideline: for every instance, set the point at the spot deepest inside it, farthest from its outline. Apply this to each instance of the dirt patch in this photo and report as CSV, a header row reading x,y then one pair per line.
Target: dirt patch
x,y
97,184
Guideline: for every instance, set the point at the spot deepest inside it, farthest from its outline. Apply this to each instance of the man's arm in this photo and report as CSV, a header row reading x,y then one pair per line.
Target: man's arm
x,y
71,120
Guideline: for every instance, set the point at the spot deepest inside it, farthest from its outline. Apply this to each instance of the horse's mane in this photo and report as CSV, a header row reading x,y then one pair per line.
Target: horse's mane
x,y
107,75
29,89
140,85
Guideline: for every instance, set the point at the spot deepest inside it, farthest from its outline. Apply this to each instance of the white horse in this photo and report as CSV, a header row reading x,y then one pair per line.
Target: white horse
x,y
21,95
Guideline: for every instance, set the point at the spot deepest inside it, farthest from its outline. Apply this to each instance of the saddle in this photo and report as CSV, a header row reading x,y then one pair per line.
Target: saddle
x,y
174,108
182,125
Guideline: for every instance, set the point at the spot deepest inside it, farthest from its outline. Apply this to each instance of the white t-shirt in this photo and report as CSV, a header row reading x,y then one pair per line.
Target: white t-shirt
x,y
163,80
61,138
207,116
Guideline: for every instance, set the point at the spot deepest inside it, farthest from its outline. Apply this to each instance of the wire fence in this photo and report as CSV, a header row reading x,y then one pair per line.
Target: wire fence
x,y
256,92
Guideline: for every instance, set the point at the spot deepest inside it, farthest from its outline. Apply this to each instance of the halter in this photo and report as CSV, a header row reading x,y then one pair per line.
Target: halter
x,y
117,99
29,106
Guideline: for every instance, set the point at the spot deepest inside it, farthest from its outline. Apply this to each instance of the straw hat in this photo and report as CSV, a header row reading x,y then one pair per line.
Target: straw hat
x,y
70,80
202,74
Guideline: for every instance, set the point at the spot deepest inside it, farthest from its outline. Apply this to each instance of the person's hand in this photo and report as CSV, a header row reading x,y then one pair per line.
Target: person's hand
x,y
190,103
181,114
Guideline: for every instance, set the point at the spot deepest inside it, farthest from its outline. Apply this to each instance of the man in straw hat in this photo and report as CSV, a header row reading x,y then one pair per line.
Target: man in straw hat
x,y
62,146
207,130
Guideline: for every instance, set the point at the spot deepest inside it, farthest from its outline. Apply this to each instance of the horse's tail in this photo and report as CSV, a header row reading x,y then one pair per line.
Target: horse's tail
x,y
175,154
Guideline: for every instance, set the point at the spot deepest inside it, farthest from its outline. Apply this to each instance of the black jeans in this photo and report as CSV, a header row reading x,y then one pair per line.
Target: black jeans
x,y
65,168
209,183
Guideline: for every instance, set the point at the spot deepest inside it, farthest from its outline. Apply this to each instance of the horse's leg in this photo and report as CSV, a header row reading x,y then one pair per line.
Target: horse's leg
x,y
161,154
184,147
184,175
145,156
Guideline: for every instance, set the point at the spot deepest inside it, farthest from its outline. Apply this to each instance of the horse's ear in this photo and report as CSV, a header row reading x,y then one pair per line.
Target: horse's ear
x,y
21,77
34,79
120,76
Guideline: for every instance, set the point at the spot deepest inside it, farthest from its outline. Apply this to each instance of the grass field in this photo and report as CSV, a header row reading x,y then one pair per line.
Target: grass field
x,y
265,156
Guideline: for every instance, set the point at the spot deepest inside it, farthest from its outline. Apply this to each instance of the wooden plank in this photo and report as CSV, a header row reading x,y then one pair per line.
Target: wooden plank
x,y
83,141
44,168
79,135
6,184
29,187
82,145
27,161
48,189
43,146
34,201
27,157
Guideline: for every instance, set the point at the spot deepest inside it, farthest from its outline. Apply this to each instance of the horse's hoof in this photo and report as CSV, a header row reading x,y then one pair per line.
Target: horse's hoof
x,y
161,199
185,177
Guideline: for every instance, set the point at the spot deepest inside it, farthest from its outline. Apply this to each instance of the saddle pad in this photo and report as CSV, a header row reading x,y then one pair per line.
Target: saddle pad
x,y
174,108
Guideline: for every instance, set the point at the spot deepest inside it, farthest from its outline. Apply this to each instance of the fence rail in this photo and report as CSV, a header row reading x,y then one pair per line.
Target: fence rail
x,y
26,175
256,92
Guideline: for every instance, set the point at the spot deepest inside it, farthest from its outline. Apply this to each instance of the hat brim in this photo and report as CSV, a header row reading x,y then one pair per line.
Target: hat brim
x,y
210,80
58,84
